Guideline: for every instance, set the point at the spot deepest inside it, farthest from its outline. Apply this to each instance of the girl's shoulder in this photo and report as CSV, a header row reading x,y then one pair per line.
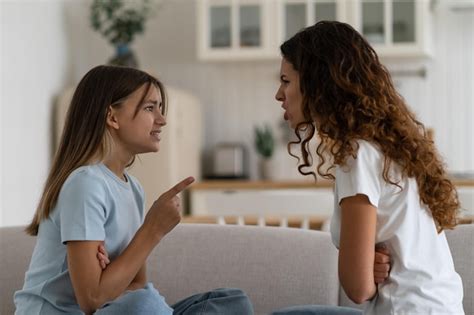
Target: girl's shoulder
x,y
88,176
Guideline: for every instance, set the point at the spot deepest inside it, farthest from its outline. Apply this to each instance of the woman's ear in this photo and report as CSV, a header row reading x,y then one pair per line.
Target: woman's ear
x,y
112,118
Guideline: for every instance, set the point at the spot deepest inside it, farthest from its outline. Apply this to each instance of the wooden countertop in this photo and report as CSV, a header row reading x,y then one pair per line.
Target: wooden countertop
x,y
295,184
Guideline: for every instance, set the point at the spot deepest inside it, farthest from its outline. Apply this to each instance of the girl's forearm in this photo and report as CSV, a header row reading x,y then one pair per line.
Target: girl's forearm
x,y
120,274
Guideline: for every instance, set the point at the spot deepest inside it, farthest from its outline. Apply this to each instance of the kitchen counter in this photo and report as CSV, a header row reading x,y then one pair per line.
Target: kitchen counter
x,y
283,198
295,184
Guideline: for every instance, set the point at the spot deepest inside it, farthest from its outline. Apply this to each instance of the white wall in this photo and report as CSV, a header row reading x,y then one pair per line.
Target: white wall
x,y
48,45
34,67
238,95
444,100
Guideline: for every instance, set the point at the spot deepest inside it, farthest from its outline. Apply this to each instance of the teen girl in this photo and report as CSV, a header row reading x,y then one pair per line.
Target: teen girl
x,y
90,201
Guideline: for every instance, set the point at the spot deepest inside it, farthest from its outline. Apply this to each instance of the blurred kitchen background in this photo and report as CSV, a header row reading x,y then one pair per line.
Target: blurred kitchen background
x,y
220,61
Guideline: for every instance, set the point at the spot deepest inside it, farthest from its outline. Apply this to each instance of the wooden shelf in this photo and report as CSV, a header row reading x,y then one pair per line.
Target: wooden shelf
x,y
255,185
243,184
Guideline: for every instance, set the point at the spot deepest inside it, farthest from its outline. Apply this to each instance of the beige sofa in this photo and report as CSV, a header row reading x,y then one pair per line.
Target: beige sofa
x,y
277,267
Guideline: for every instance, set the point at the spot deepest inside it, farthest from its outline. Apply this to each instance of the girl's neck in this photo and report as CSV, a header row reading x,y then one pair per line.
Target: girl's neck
x,y
117,163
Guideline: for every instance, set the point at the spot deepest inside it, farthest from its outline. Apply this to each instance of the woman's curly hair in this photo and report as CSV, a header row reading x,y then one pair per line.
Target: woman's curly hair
x,y
348,95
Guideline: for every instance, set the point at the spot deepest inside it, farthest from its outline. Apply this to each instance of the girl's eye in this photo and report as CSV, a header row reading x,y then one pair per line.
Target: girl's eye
x,y
149,108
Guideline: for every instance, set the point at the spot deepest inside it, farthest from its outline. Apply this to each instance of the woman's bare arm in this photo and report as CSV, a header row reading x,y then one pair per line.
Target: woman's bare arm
x,y
356,248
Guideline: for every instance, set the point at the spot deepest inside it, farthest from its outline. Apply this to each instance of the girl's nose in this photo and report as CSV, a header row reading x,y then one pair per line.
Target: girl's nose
x,y
160,119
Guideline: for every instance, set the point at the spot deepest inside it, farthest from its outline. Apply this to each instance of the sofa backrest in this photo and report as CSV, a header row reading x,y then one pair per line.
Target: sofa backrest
x,y
461,243
15,253
275,266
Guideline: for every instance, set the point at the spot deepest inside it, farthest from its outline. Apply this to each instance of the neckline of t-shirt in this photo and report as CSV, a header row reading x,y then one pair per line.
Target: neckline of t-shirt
x,y
108,172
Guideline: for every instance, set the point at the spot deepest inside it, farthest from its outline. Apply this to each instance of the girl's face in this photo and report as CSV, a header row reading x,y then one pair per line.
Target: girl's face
x,y
289,94
137,125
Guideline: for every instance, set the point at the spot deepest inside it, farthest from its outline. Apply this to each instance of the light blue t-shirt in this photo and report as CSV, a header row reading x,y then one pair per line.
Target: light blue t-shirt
x,y
93,205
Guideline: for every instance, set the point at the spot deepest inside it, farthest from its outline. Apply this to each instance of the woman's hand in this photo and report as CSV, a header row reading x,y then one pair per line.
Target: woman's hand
x,y
164,214
103,257
381,264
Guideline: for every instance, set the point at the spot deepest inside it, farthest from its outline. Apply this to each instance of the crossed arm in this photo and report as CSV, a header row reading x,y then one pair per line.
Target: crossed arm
x,y
93,286
360,267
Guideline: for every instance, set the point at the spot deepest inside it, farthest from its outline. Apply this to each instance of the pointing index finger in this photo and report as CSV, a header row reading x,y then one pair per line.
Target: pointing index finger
x,y
182,185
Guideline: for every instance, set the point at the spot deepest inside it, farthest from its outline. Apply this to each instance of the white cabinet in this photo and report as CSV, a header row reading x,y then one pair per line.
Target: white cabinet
x,y
283,202
234,29
254,29
395,28
293,15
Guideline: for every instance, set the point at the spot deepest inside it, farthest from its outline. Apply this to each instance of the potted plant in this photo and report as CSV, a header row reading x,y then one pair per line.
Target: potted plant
x,y
119,21
265,146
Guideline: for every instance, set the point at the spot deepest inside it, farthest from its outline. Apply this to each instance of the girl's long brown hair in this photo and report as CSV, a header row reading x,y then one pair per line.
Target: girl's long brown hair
x,y
85,138
348,95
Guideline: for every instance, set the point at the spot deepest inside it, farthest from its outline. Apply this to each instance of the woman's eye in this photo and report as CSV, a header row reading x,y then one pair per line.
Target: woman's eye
x,y
149,108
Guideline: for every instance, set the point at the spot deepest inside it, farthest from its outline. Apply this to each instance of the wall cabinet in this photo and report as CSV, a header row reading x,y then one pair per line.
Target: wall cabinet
x,y
395,28
234,29
253,29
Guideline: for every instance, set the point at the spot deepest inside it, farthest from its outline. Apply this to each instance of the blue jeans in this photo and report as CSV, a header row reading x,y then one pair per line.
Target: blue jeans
x,y
148,301
317,310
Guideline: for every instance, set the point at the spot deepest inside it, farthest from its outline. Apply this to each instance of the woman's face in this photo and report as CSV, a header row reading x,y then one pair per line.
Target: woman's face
x,y
139,124
289,94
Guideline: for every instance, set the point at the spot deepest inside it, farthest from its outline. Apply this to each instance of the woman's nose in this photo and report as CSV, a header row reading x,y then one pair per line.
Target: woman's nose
x,y
279,96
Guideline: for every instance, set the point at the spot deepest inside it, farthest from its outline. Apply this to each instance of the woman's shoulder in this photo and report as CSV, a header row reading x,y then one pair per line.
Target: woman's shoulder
x,y
368,147
365,151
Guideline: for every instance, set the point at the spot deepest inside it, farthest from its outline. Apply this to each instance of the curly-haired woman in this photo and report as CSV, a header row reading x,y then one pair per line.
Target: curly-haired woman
x,y
391,187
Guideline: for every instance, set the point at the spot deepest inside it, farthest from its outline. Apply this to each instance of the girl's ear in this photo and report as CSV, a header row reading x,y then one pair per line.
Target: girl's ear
x,y
112,118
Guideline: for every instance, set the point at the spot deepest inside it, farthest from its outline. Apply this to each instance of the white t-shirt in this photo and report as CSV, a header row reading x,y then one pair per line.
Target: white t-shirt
x,y
422,279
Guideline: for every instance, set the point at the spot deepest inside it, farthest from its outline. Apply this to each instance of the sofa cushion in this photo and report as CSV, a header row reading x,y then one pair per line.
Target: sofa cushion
x,y
461,243
276,267
16,248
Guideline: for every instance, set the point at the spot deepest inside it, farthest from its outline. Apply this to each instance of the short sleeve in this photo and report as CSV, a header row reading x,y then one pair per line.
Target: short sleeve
x,y
362,175
82,208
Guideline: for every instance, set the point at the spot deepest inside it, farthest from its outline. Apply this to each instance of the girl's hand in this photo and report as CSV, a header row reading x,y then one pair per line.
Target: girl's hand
x,y
164,214
381,264
103,257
